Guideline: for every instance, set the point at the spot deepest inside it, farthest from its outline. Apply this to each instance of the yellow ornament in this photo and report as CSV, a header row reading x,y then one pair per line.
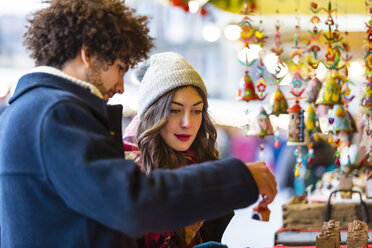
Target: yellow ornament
x,y
330,93
330,139
297,172
316,136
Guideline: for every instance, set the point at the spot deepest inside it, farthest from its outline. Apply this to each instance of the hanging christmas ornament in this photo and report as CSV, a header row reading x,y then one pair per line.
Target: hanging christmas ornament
x,y
330,93
346,92
366,101
312,46
312,122
338,120
297,132
246,90
280,104
298,164
353,126
312,90
261,84
296,128
310,153
260,124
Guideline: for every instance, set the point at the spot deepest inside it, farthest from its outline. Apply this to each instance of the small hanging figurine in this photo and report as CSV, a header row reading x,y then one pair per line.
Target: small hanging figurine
x,y
312,90
246,90
338,119
330,93
261,212
260,125
312,122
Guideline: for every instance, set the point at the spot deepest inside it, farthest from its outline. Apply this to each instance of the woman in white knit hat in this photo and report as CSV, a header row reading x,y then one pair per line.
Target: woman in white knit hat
x,y
173,129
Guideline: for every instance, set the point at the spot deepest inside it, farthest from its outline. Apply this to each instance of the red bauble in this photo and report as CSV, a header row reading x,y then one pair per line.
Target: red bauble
x,y
185,7
203,12
337,161
309,160
277,144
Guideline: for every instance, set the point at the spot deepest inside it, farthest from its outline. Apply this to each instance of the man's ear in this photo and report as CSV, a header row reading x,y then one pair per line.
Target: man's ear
x,y
84,57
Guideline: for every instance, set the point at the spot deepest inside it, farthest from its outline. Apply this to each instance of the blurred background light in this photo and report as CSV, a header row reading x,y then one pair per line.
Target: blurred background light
x,y
232,32
356,70
211,32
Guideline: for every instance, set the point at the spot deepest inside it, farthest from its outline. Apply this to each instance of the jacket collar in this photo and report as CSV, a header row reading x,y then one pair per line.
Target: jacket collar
x,y
35,79
59,73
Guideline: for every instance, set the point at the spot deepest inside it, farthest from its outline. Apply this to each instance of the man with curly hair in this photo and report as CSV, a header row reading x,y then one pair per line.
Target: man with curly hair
x,y
64,181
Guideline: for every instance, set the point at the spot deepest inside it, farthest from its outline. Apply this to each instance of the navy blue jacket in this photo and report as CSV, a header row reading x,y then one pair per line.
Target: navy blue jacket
x,y
65,183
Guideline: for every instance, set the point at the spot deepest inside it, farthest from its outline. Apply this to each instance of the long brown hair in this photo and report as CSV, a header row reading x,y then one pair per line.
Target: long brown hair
x,y
156,153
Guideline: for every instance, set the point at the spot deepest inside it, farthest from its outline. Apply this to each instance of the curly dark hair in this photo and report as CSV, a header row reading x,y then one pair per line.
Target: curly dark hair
x,y
108,29
156,153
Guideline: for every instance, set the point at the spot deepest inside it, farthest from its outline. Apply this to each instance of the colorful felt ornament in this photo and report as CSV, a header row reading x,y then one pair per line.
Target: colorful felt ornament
x,y
296,124
246,90
312,90
366,100
259,124
280,104
312,122
338,120
330,93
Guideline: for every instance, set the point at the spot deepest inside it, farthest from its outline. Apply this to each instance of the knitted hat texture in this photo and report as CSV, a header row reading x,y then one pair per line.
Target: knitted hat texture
x,y
161,73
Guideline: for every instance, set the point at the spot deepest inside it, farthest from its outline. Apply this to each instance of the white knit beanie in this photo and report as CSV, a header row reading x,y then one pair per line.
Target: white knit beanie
x,y
161,73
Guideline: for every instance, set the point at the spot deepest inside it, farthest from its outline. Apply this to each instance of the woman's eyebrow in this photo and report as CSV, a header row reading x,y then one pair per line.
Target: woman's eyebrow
x,y
182,104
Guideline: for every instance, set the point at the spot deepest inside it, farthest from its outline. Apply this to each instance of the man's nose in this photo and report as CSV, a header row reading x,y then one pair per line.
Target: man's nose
x,y
119,87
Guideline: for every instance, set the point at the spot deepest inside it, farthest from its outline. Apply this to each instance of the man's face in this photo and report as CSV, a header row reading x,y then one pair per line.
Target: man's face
x,y
109,79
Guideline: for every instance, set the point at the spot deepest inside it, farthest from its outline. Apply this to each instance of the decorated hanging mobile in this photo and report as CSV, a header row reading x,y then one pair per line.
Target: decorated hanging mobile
x,y
260,125
335,92
279,105
246,90
366,100
297,134
313,85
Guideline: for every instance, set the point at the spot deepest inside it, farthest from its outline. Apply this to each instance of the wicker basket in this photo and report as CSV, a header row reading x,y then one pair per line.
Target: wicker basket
x,y
312,216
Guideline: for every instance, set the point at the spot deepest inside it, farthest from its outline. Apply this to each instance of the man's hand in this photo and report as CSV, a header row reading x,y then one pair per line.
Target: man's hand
x,y
265,181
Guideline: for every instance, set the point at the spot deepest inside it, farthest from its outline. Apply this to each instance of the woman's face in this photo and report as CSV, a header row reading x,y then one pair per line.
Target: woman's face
x,y
185,118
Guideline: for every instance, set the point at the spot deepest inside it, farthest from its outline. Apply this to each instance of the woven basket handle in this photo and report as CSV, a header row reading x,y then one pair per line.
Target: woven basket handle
x,y
363,205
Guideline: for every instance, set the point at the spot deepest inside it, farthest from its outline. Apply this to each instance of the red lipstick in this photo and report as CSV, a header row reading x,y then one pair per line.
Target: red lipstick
x,y
183,137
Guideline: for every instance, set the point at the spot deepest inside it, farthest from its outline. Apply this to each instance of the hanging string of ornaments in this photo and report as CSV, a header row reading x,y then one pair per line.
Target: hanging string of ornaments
x,y
297,133
261,126
335,92
366,100
280,104
314,84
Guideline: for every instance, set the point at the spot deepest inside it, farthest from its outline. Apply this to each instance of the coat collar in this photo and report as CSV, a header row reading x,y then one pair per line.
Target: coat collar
x,y
34,80
59,73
